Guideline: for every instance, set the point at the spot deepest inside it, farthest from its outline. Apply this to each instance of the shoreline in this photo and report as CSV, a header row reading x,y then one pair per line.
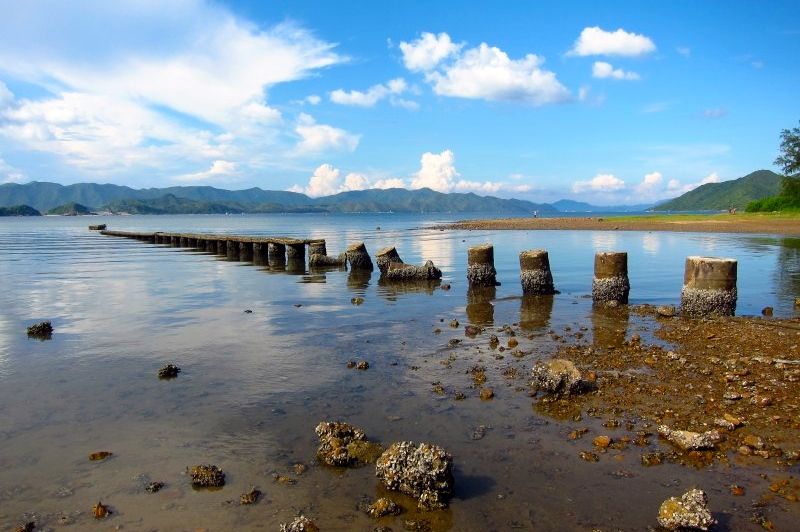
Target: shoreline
x,y
777,224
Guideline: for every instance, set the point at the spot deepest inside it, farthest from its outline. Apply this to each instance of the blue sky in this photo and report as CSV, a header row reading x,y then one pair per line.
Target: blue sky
x,y
613,102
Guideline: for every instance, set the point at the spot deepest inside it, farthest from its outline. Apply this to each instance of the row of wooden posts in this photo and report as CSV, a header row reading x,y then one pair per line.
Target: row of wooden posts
x,y
709,282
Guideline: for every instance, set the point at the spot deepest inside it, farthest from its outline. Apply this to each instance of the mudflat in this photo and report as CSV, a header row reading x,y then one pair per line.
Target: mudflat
x,y
782,224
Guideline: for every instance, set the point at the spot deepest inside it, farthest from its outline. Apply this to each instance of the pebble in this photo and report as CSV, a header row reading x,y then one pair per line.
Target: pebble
x,y
602,442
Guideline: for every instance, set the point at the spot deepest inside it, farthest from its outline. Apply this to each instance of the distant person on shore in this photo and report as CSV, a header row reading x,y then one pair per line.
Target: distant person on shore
x,y
535,214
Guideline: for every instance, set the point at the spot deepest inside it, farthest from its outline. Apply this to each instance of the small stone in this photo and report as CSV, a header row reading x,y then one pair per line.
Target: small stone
x,y
689,511
41,331
248,311
486,394
100,510
666,311
736,490
454,323
357,300
251,497
577,434
754,442
724,423
170,371
652,459
735,421
351,364
602,442
424,471
558,376
767,311
589,456
207,476
472,331
299,468
362,364
383,507
300,524
690,441
100,455
30,526
512,343
445,286
731,396
744,450
154,487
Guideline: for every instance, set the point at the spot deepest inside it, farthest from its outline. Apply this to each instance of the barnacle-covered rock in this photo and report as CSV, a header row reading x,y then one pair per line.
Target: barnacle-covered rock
x,y
690,511
383,507
558,377
690,441
423,470
170,371
207,476
42,331
407,272
300,524
251,497
341,444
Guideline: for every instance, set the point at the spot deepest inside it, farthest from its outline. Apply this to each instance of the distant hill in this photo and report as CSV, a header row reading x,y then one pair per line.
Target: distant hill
x,y
565,205
71,209
19,210
720,196
196,200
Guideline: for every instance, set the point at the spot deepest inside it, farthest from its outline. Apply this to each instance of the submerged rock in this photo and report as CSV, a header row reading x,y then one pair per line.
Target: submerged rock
x,y
423,470
383,507
154,487
207,476
300,524
100,510
690,441
100,455
42,331
251,497
666,311
690,511
170,371
558,377
341,444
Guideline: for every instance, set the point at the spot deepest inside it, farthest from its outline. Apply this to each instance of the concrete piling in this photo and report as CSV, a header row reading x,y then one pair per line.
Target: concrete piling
x,y
296,252
611,277
211,245
535,274
709,287
480,266
277,255
398,271
184,242
318,256
358,257
232,250
246,251
260,253
222,247
175,241
317,247
387,256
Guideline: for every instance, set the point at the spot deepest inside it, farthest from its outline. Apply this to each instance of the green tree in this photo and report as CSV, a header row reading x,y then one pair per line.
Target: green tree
x,y
789,161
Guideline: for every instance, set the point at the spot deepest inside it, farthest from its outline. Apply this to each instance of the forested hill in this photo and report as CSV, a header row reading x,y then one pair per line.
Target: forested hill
x,y
720,196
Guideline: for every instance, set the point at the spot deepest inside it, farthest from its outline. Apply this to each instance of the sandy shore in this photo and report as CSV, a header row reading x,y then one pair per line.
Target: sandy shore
x,y
716,223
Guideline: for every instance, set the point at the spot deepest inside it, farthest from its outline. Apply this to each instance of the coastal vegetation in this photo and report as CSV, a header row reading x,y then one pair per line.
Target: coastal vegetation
x,y
789,160
71,209
19,210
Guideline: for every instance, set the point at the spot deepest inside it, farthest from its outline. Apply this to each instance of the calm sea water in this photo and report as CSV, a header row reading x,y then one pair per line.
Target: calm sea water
x,y
254,386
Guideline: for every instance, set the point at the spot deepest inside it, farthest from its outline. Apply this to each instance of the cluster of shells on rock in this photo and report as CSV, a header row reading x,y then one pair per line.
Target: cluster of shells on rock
x,y
207,476
42,331
170,371
423,471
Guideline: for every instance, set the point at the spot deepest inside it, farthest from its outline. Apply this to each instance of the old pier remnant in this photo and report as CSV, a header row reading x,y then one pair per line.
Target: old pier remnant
x,y
611,282
480,266
387,256
358,257
399,271
535,274
277,254
246,251
232,248
260,253
318,256
709,287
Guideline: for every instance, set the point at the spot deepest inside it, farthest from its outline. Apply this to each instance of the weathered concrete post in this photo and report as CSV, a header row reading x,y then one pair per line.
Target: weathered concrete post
x,y
157,238
232,249
277,254
385,257
246,251
211,245
709,286
317,247
175,241
611,277
260,253
358,257
222,247
535,274
480,266
184,242
191,242
296,252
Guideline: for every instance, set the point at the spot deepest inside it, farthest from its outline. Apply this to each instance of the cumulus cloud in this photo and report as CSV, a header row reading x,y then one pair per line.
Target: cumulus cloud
x,y
374,94
599,183
426,52
193,96
483,72
6,96
650,183
219,169
601,69
676,188
313,99
316,138
596,41
437,172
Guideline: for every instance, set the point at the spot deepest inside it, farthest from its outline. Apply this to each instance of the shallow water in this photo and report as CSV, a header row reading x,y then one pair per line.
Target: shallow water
x,y
253,386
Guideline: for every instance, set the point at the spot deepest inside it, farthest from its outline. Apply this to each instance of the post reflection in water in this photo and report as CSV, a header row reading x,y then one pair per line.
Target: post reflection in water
x,y
391,289
535,312
609,325
358,280
296,266
480,310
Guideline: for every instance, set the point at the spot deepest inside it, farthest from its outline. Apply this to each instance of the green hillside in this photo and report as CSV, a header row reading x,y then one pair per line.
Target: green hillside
x,y
720,196
70,209
19,210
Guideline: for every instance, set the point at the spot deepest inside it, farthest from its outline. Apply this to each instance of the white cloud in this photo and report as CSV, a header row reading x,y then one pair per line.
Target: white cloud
x,y
320,137
428,51
487,72
9,174
194,95
676,188
392,182
596,41
6,96
599,183
650,183
354,181
436,172
717,112
601,69
373,95
219,168
313,99
326,181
